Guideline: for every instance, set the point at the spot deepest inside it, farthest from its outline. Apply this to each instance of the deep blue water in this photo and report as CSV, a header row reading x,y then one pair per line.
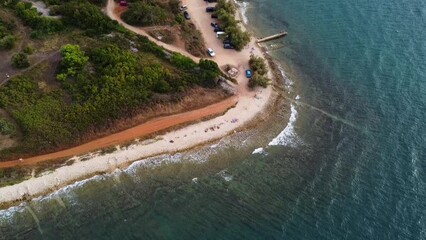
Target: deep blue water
x,y
353,167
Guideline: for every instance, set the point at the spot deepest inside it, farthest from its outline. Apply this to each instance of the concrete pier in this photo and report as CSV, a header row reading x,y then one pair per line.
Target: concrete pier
x,y
272,37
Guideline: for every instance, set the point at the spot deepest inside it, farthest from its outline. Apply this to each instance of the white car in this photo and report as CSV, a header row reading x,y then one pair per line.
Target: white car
x,y
211,52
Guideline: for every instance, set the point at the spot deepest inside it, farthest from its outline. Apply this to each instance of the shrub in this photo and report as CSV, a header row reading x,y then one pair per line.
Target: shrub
x,y
182,61
259,68
210,71
227,6
73,60
86,16
258,80
257,64
29,50
7,42
5,127
179,18
143,14
20,60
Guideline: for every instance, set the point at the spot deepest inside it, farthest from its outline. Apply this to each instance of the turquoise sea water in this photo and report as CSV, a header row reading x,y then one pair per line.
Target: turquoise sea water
x,y
350,165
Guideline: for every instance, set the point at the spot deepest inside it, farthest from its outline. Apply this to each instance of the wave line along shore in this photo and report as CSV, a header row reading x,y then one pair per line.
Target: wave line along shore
x,y
250,105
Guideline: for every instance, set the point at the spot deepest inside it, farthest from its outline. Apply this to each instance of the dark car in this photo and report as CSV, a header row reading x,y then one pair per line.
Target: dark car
x,y
218,29
214,15
227,40
210,1
228,46
186,15
210,9
215,25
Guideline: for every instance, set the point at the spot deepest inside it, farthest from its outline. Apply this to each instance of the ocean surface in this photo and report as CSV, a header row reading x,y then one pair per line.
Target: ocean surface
x,y
345,157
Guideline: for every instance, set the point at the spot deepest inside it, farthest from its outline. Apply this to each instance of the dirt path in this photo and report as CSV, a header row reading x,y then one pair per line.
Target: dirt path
x,y
33,65
142,130
113,11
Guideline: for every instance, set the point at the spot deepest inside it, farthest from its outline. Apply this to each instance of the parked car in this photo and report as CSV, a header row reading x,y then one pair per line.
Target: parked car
x,y
210,1
210,9
211,52
218,29
218,34
215,25
214,15
227,40
124,3
228,46
186,15
183,8
248,73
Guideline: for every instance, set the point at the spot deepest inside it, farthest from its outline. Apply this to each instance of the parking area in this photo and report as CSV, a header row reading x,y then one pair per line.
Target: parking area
x,y
201,13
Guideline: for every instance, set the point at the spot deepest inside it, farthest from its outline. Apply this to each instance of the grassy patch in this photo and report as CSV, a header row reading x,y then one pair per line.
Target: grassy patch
x,y
194,41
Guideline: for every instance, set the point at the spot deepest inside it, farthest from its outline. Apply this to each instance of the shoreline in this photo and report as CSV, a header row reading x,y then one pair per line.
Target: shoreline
x,y
251,106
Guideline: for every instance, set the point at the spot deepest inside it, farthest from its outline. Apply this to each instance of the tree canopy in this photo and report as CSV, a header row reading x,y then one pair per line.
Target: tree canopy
x,y
73,60
144,14
259,68
226,14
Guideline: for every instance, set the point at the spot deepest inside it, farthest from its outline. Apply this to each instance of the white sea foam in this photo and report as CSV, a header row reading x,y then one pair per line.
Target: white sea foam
x,y
7,214
63,192
288,136
288,83
152,163
243,6
259,151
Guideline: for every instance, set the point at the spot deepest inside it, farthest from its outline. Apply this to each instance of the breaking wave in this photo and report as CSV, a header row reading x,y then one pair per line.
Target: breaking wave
x,y
288,136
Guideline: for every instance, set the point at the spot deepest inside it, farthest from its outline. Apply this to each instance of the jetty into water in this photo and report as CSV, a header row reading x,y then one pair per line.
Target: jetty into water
x,y
272,37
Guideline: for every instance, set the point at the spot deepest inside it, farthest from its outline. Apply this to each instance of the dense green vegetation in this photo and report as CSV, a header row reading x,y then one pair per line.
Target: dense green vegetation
x,y
41,25
100,78
7,40
73,60
151,12
59,2
75,13
258,65
226,14
259,68
86,16
98,84
145,14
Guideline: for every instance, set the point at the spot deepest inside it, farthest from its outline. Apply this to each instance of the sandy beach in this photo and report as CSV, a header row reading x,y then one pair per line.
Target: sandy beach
x,y
249,104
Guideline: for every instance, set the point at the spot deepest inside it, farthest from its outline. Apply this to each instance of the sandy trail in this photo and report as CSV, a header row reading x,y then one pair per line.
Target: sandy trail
x,y
141,130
